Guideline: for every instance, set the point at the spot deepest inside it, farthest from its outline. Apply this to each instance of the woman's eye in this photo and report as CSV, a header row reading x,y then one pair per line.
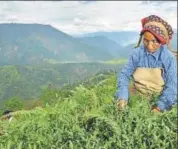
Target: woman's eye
x,y
145,40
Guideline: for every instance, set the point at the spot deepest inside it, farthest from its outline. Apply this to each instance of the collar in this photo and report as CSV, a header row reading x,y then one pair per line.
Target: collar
x,y
155,54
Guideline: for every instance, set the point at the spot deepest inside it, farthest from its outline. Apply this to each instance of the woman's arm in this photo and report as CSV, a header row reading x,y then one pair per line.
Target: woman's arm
x,y
169,94
125,75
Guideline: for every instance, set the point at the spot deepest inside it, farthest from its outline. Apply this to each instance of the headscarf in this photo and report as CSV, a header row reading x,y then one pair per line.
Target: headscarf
x,y
158,27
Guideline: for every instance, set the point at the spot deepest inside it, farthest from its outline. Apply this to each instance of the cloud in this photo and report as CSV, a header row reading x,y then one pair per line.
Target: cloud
x,y
76,17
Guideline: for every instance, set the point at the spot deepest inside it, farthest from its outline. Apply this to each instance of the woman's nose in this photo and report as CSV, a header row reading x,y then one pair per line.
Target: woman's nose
x,y
149,44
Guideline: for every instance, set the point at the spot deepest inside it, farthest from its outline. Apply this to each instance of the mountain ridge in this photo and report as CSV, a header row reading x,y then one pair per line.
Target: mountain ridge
x,y
31,43
105,43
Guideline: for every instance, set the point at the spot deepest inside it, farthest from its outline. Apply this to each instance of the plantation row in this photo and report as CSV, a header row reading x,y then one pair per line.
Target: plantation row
x,y
88,118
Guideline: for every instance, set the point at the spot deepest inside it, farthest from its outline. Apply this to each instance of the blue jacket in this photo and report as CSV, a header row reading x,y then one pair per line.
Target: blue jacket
x,y
163,58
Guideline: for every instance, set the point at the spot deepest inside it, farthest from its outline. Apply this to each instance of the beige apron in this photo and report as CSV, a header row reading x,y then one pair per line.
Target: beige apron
x,y
148,81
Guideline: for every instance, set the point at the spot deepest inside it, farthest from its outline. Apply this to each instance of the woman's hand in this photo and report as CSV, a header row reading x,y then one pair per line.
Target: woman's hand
x,y
156,109
122,103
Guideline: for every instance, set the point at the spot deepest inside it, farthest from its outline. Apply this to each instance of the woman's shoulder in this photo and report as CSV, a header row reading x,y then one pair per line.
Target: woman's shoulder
x,y
136,50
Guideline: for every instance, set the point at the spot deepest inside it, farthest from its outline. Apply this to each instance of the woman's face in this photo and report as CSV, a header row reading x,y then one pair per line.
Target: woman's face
x,y
150,42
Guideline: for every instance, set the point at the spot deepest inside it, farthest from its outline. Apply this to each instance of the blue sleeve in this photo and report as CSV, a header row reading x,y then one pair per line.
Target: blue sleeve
x,y
125,75
169,94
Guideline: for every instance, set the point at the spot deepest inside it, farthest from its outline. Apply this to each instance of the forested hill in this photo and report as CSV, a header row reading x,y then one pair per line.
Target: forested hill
x,y
27,81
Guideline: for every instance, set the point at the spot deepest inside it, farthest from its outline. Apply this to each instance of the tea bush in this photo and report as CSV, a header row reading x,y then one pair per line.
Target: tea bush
x,y
89,119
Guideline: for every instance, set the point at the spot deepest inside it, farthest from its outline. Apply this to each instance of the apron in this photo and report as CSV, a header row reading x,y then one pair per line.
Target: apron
x,y
148,81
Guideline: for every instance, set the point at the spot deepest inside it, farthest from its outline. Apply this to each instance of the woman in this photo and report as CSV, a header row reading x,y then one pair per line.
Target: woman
x,y
152,66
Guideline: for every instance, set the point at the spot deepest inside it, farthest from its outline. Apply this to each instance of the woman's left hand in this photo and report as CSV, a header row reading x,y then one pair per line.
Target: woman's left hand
x,y
156,109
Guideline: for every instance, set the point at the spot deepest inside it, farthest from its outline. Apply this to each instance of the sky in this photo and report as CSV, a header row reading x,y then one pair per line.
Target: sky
x,y
78,17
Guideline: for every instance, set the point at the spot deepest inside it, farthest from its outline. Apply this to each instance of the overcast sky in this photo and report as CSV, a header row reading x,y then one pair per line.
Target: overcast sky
x,y
76,17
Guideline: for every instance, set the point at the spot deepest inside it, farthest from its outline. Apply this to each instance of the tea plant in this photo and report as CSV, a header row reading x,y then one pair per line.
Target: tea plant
x,y
89,119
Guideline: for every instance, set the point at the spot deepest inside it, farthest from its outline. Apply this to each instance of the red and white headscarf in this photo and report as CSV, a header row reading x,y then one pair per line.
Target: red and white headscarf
x,y
158,27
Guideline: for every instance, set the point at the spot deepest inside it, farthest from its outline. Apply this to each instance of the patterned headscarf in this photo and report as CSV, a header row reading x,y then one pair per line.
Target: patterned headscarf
x,y
158,27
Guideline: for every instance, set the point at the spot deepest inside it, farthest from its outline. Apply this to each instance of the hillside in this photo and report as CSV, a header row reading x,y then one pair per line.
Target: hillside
x,y
104,43
89,118
34,43
122,38
174,42
27,81
37,43
125,38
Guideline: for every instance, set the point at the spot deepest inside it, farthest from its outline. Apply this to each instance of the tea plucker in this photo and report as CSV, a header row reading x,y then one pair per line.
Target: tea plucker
x,y
152,66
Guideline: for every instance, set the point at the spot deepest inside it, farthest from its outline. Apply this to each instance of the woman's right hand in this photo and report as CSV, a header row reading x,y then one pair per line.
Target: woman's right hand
x,y
122,103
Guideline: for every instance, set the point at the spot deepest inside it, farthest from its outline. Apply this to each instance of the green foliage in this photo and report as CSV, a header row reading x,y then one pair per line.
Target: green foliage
x,y
89,118
49,96
116,61
29,81
9,72
14,104
1,112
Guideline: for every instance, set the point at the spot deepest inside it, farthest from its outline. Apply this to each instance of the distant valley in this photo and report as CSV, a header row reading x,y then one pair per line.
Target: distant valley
x,y
37,43
34,56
